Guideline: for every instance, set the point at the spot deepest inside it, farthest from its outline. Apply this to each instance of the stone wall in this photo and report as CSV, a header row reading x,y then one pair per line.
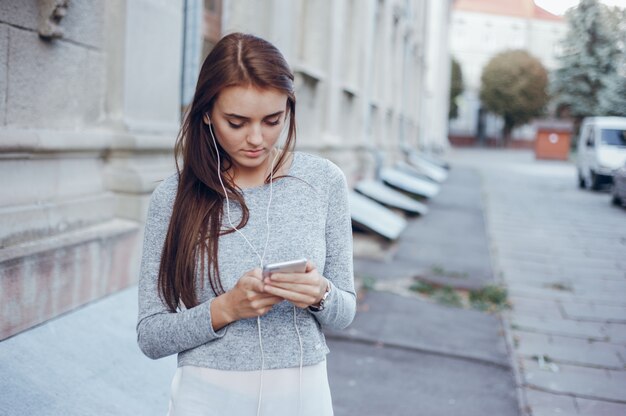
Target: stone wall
x,y
89,110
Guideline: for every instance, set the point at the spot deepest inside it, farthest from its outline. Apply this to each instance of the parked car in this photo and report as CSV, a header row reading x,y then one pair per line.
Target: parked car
x,y
601,150
619,186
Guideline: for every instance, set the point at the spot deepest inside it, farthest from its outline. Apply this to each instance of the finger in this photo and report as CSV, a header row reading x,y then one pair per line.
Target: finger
x,y
287,277
265,302
252,283
309,266
293,297
264,295
294,287
309,272
256,273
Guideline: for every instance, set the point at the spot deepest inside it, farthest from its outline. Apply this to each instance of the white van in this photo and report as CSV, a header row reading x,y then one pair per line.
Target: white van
x,y
601,150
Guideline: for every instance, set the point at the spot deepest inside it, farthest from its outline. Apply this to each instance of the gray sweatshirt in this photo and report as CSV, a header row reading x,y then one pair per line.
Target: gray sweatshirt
x,y
309,217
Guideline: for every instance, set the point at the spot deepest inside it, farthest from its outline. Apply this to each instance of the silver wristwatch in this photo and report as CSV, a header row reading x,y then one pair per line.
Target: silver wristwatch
x,y
320,306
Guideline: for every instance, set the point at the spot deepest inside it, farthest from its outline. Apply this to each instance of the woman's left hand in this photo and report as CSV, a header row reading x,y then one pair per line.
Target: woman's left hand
x,y
301,289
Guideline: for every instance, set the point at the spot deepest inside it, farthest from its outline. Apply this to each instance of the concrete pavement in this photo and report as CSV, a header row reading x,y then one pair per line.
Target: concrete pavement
x,y
562,253
406,355
85,362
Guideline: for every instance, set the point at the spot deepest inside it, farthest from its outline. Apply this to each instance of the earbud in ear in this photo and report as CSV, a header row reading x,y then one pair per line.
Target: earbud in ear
x,y
206,119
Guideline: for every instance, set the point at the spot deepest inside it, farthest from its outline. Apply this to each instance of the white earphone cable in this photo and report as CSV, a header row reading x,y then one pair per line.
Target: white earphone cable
x,y
261,259
295,323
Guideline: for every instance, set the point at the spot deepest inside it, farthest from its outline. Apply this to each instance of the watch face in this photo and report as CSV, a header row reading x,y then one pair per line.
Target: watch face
x,y
317,308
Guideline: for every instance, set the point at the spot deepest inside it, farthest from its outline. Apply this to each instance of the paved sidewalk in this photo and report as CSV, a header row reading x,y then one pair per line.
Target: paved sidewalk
x,y
85,362
562,253
405,355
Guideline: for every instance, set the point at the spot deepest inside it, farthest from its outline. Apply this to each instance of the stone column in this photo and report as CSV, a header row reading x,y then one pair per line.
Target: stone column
x,y
144,95
435,131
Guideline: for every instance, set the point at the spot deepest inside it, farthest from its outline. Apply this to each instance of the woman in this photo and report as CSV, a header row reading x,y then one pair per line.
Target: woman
x,y
246,344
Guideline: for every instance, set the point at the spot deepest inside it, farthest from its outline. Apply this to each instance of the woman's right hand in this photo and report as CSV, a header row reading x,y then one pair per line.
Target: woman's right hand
x,y
246,300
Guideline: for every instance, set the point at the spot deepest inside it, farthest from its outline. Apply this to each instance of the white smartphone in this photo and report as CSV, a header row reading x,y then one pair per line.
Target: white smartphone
x,y
293,266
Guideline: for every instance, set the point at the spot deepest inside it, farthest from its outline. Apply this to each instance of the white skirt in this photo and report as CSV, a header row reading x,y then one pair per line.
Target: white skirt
x,y
199,391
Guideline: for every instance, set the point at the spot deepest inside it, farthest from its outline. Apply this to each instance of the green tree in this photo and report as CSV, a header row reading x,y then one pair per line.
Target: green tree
x,y
590,79
456,88
612,100
513,86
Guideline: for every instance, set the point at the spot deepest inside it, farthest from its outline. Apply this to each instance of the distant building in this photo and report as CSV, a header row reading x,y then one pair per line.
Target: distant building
x,y
482,28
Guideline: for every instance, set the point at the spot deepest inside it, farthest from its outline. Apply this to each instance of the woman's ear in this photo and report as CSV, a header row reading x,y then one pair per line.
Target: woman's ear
x,y
206,119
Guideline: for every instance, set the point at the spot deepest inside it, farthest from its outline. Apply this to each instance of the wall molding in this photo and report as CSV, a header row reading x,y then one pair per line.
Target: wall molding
x,y
62,141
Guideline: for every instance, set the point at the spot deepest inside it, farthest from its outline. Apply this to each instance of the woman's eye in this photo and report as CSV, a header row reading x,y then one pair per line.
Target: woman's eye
x,y
235,126
273,122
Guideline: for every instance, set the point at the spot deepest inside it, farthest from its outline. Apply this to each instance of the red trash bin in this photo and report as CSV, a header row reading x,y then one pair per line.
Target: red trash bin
x,y
552,140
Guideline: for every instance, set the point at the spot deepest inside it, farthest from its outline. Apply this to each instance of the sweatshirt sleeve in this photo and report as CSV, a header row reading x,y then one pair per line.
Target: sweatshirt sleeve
x,y
340,306
160,332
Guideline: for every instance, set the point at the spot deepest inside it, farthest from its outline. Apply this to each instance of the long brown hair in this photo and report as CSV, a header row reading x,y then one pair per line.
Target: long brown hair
x,y
195,226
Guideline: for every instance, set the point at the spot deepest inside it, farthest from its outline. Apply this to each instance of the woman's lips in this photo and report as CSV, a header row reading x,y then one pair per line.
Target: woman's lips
x,y
253,153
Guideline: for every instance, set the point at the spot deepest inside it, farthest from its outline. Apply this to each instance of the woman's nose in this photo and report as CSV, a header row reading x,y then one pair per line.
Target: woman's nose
x,y
255,136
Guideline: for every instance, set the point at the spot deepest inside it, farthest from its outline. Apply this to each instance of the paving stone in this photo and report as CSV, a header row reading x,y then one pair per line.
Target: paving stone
x,y
532,280
601,268
605,253
615,332
563,254
517,276
539,284
570,350
530,343
554,228
588,278
594,312
559,290
585,263
599,408
531,268
534,307
544,291
578,381
600,286
596,276
540,256
548,404
566,327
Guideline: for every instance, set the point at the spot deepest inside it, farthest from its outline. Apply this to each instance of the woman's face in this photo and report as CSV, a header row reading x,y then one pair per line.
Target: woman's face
x,y
247,122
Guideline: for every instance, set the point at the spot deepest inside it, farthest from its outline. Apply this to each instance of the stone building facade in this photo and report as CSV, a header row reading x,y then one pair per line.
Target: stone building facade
x,y
371,75
88,115
91,94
